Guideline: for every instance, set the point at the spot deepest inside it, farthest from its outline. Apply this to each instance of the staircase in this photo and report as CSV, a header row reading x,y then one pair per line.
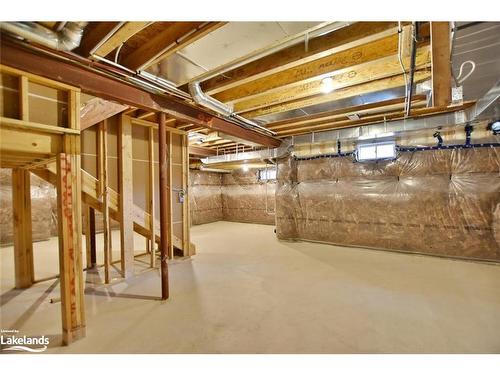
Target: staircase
x,y
90,196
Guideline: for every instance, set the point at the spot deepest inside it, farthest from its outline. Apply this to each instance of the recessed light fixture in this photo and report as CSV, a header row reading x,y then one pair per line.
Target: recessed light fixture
x,y
327,85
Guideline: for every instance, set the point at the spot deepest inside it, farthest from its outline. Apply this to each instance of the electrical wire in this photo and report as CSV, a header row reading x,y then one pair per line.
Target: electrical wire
x,y
460,72
400,41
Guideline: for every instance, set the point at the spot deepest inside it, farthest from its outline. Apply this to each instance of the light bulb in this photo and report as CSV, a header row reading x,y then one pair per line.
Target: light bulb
x,y
327,85
245,168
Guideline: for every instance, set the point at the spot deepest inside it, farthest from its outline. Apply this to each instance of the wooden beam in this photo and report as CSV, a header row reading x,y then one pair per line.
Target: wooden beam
x,y
70,251
97,110
96,84
120,36
418,112
165,217
201,151
378,85
360,32
441,64
377,49
159,44
339,113
94,33
126,196
367,72
217,124
23,244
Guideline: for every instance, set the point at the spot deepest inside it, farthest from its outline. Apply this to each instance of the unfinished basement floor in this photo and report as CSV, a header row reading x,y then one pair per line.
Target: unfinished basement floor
x,y
246,292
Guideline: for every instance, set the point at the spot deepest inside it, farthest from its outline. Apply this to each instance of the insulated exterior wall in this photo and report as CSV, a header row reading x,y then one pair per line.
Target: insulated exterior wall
x,y
440,202
237,196
246,199
205,197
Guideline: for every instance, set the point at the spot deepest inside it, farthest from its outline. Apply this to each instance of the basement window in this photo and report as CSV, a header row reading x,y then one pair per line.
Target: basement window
x,y
376,151
267,174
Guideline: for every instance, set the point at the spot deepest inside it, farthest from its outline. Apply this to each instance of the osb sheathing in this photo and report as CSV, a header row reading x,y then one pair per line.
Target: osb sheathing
x,y
236,196
441,202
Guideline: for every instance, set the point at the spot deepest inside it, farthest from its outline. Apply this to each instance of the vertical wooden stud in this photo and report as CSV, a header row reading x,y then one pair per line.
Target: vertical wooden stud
x,y
171,193
103,179
441,66
23,244
24,112
185,188
126,196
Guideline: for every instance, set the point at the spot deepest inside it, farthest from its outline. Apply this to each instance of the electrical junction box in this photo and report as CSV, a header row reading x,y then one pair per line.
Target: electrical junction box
x,y
457,94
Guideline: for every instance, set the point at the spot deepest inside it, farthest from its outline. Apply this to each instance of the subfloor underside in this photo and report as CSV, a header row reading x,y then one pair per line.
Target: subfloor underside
x,y
247,292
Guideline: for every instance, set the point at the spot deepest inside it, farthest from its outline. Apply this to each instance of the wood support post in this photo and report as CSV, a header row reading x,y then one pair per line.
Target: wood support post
x,y
70,252
126,196
103,184
165,214
151,197
90,244
441,65
23,246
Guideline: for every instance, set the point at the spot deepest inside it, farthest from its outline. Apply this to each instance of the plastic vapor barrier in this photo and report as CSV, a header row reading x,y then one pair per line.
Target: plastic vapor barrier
x,y
440,202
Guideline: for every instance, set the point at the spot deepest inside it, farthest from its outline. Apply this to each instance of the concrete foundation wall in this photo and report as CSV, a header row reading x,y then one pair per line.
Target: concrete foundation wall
x,y
441,202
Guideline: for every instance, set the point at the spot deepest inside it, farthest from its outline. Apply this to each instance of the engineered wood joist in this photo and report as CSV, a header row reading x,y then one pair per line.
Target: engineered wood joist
x,y
397,115
94,34
320,46
323,117
375,50
165,43
120,36
378,85
364,73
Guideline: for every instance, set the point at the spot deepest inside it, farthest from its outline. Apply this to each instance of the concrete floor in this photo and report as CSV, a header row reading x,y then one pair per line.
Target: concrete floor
x,y
246,292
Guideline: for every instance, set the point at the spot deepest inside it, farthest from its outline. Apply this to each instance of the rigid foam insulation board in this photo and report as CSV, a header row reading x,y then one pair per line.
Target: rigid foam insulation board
x,y
440,202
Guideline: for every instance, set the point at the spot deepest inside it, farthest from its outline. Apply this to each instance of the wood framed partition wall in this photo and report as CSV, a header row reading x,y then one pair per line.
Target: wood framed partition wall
x,y
40,125
111,168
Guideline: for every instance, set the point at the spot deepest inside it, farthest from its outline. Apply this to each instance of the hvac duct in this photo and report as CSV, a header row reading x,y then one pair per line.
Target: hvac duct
x,y
208,102
66,39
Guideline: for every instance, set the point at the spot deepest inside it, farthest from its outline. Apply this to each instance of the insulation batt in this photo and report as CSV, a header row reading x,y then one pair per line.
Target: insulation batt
x,y
238,196
441,202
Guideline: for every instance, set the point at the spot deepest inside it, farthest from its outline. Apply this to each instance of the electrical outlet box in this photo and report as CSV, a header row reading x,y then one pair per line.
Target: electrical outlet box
x,y
457,94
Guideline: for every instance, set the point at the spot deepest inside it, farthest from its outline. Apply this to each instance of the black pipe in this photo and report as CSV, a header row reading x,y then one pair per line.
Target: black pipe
x,y
409,88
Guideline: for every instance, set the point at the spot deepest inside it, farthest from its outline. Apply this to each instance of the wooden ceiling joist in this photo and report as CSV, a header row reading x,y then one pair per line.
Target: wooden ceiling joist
x,y
378,85
201,151
379,69
167,42
418,112
377,49
127,30
97,110
347,37
96,84
93,35
338,113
